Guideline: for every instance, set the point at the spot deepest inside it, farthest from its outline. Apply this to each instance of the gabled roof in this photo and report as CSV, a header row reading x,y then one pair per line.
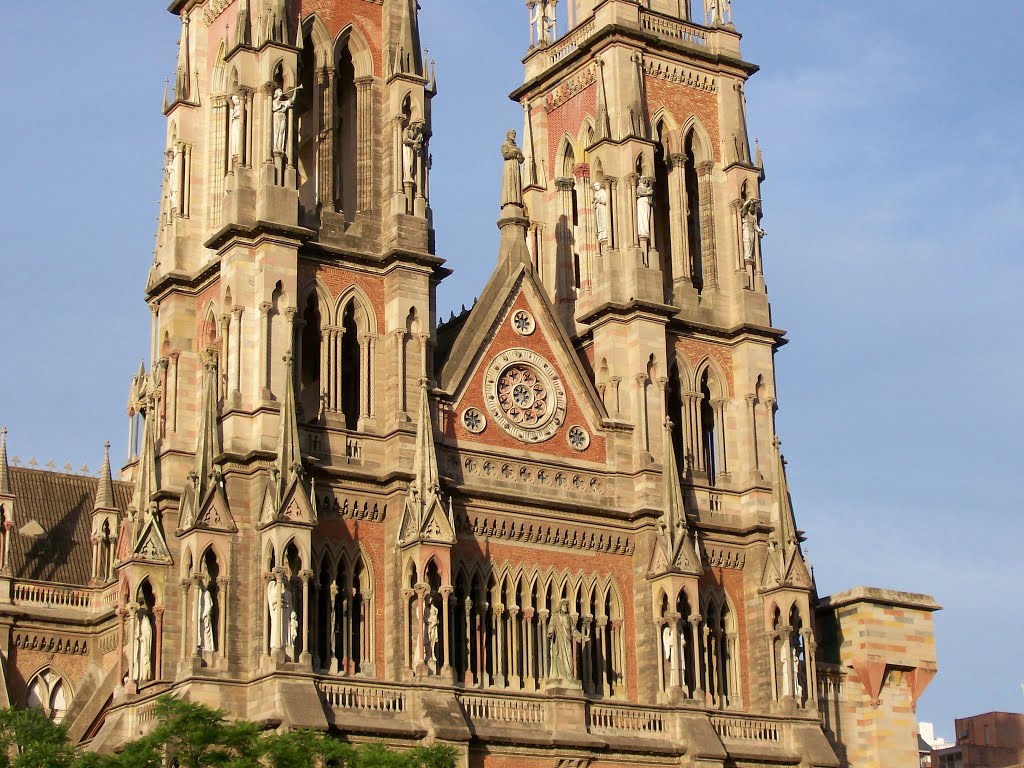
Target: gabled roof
x,y
62,505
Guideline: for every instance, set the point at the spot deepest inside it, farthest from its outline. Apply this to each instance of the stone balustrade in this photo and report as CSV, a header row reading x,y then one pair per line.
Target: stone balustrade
x,y
735,728
672,29
52,596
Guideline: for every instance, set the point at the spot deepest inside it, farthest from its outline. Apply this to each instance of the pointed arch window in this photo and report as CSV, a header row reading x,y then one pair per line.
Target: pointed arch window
x,y
48,691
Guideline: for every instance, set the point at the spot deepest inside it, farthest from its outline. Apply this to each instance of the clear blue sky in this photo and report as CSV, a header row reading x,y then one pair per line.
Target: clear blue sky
x,y
892,137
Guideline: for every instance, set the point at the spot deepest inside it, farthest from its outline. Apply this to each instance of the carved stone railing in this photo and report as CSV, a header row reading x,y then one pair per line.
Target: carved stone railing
x,y
571,42
52,596
679,31
364,698
747,729
503,710
627,720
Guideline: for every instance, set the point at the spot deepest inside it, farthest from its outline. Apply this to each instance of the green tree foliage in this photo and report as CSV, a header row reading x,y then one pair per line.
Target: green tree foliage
x,y
191,735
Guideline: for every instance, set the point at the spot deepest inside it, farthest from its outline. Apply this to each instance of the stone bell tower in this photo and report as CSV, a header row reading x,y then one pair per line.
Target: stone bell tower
x,y
644,201
292,297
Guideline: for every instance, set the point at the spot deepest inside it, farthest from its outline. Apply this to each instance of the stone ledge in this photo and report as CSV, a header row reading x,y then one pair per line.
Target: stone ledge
x,y
910,600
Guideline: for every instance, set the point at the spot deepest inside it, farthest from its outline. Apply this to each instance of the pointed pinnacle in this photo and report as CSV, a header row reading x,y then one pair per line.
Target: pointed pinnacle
x,y
105,490
5,480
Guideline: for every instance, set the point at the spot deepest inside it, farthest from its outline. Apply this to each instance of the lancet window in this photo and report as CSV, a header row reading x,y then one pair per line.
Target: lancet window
x,y
335,352
699,649
792,657
343,614
501,625
665,207
700,405
48,691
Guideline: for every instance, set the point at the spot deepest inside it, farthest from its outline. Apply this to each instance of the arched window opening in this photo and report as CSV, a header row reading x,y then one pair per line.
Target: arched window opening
x,y
208,609
310,340
308,128
798,654
709,429
674,404
143,639
663,213
346,136
693,202
352,368
48,691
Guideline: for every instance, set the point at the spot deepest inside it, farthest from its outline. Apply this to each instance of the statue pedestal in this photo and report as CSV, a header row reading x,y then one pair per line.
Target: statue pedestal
x,y
561,687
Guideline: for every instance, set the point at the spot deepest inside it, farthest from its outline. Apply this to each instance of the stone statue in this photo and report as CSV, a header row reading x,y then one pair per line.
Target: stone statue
x,y
544,21
281,105
601,211
412,146
145,647
172,182
752,232
512,179
563,635
666,642
274,605
290,620
432,632
711,12
204,614
235,134
644,207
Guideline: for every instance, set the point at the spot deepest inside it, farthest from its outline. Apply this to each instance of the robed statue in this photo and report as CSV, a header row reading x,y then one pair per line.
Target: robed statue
x,y
512,178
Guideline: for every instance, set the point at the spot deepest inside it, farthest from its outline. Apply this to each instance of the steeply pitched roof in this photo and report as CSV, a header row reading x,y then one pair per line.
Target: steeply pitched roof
x,y
62,506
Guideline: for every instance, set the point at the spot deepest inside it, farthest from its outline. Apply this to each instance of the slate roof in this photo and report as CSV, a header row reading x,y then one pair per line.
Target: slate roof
x,y
62,505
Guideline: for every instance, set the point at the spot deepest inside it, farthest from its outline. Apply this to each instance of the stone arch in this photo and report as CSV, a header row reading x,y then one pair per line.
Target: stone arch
x,y
565,159
48,689
219,81
314,30
362,57
703,147
717,382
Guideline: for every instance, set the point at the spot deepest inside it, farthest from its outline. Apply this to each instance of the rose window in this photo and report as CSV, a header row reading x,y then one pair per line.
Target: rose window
x,y
522,396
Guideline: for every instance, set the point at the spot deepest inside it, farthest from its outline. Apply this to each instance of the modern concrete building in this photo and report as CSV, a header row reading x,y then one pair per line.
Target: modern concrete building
x,y
992,740
553,531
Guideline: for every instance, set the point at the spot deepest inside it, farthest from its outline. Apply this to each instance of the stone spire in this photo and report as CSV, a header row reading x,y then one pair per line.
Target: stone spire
x,y
208,441
427,515
242,24
105,490
182,77
145,479
289,456
784,540
5,474
406,58
677,538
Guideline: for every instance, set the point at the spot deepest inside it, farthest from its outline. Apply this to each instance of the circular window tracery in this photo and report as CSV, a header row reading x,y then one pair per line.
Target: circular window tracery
x,y
525,395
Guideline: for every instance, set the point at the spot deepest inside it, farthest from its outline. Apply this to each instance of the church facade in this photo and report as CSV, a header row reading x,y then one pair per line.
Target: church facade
x,y
554,530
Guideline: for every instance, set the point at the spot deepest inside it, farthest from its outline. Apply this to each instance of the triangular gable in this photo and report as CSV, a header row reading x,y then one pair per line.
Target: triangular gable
x,y
215,513
152,547
489,333
295,508
797,575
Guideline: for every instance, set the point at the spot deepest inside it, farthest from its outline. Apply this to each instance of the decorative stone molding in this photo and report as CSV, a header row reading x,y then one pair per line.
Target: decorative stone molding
x,y
352,509
215,8
497,470
570,87
680,76
724,557
525,395
566,536
37,641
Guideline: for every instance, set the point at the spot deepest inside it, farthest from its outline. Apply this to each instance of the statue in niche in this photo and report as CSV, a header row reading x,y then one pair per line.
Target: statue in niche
x,y
544,21
711,12
512,178
144,647
171,177
289,621
432,636
235,132
601,211
412,147
204,616
563,635
752,232
644,207
281,105
274,590
666,644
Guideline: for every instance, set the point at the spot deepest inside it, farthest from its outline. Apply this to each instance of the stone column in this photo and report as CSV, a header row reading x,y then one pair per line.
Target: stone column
x,y
325,138
305,658
673,626
236,394
268,641
158,632
446,641
634,235
364,139
184,584
619,661
752,412
403,378
121,613
588,226
564,251
615,220
786,638
499,666
545,647
709,248
613,384
227,384
721,454
470,676
481,640
695,442
772,408
529,676
337,649
695,620
810,660
265,342
681,262
222,626
514,680
641,413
